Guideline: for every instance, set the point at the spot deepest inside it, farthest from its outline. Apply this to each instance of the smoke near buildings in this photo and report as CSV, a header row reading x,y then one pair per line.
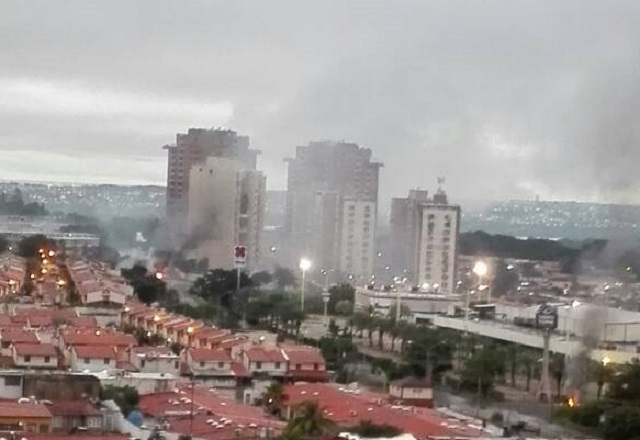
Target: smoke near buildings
x,y
528,97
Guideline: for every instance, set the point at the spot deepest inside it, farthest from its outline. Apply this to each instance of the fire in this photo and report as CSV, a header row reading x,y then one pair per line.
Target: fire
x,y
573,401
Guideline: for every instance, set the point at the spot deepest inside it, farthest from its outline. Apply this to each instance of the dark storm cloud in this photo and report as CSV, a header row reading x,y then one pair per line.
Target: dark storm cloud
x,y
504,98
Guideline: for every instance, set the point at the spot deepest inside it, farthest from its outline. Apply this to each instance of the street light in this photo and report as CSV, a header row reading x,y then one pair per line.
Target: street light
x,y
326,296
305,265
480,269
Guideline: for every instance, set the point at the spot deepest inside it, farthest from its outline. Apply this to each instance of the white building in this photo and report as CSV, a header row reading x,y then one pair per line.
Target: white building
x,y
357,237
37,356
268,361
226,205
92,358
155,360
424,235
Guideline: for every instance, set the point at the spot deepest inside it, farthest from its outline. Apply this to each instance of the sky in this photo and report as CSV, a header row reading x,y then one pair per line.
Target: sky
x,y
505,99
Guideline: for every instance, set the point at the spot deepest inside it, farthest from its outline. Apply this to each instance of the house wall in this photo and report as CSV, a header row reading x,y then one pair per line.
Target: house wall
x,y
93,365
50,362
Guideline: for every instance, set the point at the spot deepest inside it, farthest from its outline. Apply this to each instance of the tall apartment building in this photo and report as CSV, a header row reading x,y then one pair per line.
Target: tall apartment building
x,y
226,208
326,182
424,236
193,148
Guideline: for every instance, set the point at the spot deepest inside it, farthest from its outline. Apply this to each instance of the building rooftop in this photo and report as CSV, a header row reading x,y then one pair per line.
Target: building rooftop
x,y
24,410
95,352
208,355
79,408
39,350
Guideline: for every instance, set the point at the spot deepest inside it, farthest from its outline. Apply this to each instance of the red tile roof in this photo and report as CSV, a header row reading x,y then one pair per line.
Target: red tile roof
x,y
104,338
73,408
150,351
40,321
54,313
18,335
348,409
260,354
303,355
207,355
239,370
75,436
40,350
24,410
95,352
82,321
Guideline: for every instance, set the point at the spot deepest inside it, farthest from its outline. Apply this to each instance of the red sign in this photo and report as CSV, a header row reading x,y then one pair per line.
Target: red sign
x,y
240,255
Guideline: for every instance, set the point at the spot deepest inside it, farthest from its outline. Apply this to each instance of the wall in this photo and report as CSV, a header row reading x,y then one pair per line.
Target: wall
x,y
92,365
357,237
268,368
61,386
404,392
50,362
162,364
10,385
143,385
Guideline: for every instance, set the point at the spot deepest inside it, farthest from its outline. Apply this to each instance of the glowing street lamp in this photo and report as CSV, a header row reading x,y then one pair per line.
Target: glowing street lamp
x,y
305,265
606,361
480,269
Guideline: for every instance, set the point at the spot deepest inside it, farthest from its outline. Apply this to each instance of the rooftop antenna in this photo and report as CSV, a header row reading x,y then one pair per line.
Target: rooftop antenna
x,y
441,182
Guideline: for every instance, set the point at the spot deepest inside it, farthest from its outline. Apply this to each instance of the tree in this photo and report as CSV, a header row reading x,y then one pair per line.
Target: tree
x,y
343,308
601,373
308,421
273,397
557,370
260,278
29,246
284,278
622,423
339,293
4,243
367,429
624,387
528,361
481,370
126,397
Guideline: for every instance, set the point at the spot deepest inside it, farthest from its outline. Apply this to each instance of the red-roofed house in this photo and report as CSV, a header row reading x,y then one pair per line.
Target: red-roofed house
x,y
348,407
28,417
121,342
265,361
306,364
214,365
411,391
39,356
92,358
73,414
10,336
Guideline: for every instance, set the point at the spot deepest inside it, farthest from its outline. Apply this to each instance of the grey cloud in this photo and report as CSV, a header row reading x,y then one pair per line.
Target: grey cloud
x,y
505,98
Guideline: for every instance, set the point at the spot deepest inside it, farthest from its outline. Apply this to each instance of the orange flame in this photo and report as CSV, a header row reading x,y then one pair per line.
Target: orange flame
x,y
571,403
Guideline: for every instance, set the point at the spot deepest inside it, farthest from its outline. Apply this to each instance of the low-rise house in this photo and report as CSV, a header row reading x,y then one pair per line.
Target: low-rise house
x,y
73,414
36,356
216,367
411,391
120,342
155,360
265,361
306,364
11,336
92,358
27,417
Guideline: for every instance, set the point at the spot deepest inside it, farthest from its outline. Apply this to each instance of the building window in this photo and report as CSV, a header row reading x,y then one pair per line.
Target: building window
x,y
277,365
106,361
12,381
315,367
47,359
220,364
258,365
86,360
27,358
298,367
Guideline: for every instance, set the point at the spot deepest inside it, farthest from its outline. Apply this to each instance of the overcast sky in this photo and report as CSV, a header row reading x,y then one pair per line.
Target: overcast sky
x,y
505,98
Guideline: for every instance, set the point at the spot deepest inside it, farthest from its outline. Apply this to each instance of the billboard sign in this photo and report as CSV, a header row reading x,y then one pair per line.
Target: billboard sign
x,y
547,317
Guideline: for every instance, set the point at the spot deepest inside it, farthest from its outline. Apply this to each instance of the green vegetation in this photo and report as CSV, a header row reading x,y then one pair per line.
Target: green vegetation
x,y
14,204
308,422
368,429
126,397
146,286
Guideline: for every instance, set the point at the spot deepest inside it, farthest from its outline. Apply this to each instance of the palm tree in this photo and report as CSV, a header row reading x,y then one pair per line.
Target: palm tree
x,y
602,373
557,370
309,421
528,360
273,397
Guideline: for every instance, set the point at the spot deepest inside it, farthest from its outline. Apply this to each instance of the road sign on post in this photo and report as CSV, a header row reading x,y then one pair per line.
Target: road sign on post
x,y
240,256
547,317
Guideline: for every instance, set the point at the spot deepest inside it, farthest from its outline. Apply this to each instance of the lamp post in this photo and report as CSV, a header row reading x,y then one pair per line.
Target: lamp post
x,y
480,269
325,299
305,265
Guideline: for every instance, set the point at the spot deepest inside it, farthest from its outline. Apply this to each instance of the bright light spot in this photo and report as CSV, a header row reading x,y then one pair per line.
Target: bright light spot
x,y
52,254
305,264
159,275
606,361
480,268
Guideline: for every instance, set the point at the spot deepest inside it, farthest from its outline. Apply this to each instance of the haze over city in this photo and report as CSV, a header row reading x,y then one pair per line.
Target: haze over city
x,y
507,99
